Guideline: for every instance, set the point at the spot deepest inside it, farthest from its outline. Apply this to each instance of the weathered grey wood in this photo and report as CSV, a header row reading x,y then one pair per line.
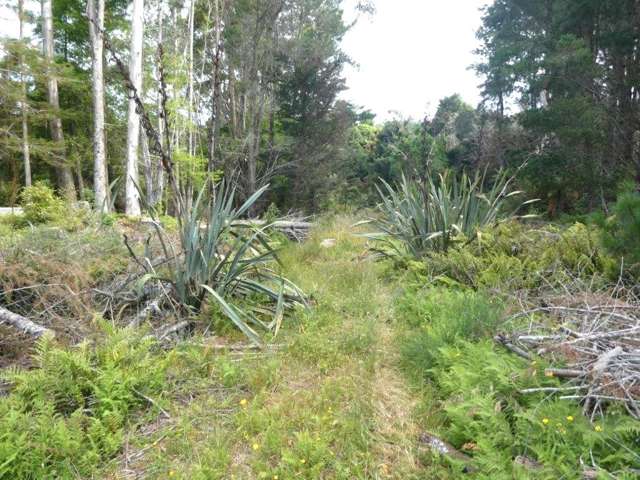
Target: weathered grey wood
x,y
10,211
22,323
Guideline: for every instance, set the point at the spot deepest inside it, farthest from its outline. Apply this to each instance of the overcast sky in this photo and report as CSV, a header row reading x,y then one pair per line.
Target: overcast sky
x,y
412,53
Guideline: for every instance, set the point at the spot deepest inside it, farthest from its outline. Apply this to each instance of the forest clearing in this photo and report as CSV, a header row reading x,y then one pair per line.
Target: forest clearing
x,y
215,265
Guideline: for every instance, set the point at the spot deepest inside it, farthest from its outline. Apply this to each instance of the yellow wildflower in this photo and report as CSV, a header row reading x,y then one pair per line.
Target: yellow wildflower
x,y
255,446
545,421
244,402
569,418
303,461
598,428
171,473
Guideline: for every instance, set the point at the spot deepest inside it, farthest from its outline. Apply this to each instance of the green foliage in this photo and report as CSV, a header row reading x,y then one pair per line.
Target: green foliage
x,y
621,233
568,82
40,204
481,410
417,218
63,418
513,256
230,262
439,317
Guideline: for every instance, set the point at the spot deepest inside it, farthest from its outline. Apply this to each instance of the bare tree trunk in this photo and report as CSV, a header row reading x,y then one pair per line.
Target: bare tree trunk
x,y
233,105
190,146
65,178
132,196
159,187
215,94
23,103
147,167
95,12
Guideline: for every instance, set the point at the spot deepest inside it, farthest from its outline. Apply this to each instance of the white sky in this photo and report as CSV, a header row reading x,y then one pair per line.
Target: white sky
x,y
411,54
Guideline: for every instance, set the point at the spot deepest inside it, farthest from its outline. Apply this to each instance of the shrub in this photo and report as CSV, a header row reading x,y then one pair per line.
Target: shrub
x,y
485,414
621,233
516,256
40,204
482,410
417,218
230,263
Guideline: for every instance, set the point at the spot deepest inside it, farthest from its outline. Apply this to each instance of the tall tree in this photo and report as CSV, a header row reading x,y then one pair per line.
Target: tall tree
x,y
95,12
65,178
132,196
26,155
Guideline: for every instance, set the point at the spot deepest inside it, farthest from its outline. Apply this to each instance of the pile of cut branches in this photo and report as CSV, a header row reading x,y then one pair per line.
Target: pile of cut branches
x,y
592,343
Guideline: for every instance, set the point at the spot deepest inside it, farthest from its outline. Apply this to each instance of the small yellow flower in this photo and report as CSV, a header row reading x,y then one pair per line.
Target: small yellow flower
x,y
244,402
569,418
171,473
598,428
303,461
275,477
534,363
255,446
545,421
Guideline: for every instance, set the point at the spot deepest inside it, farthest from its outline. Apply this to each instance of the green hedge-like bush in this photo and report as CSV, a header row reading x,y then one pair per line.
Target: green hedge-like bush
x,y
40,204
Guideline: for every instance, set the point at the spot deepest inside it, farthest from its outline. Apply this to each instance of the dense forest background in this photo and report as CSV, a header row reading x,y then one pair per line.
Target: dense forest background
x,y
251,89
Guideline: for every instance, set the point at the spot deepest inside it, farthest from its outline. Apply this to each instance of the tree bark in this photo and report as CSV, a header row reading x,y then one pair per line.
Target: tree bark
x,y
65,178
132,196
23,103
215,94
95,12
22,323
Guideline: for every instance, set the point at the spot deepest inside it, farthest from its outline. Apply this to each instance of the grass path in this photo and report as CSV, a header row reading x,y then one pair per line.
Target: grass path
x,y
330,405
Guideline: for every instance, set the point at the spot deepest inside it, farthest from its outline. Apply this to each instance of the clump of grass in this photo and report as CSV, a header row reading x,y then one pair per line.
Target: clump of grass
x,y
439,317
230,263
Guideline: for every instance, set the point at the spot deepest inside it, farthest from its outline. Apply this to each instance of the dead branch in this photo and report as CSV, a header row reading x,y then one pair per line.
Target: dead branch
x,y
23,324
598,347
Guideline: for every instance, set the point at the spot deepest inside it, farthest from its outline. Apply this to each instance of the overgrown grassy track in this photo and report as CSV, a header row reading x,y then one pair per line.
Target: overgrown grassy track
x,y
329,404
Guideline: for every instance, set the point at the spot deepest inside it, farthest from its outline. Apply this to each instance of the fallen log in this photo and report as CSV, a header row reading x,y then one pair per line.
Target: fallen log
x,y
152,308
23,324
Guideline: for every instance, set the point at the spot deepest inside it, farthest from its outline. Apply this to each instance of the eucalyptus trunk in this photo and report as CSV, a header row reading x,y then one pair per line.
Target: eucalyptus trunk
x,y
26,154
132,196
95,12
65,177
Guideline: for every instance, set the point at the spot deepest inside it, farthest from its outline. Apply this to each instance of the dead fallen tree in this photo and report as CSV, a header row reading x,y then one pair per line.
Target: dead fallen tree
x,y
297,230
22,323
596,349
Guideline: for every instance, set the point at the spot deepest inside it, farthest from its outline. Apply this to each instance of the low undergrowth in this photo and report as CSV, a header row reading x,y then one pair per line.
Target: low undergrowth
x,y
69,414
514,256
328,398
472,398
